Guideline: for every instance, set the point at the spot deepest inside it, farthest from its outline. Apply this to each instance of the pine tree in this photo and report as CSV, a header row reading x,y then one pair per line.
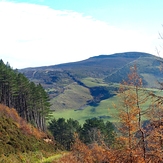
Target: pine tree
x,y
30,100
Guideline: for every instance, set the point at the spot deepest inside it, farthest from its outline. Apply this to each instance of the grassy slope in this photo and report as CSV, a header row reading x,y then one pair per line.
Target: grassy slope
x,y
81,115
13,140
79,94
96,72
148,68
19,141
104,110
92,82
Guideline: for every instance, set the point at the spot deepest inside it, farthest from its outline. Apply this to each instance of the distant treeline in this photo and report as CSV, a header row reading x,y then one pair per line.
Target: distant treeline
x,y
30,100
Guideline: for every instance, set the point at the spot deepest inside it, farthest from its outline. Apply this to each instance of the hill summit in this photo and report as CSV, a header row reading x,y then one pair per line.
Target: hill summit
x,y
76,84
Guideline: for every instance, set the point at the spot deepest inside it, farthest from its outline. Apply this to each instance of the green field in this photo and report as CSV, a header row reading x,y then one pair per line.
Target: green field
x,y
104,110
76,92
80,94
100,111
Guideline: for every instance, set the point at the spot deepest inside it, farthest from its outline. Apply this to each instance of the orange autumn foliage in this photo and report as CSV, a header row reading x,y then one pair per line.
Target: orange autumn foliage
x,y
26,128
87,154
95,153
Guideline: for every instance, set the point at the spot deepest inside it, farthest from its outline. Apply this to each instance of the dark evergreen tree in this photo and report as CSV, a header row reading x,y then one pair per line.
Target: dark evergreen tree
x,y
63,131
96,131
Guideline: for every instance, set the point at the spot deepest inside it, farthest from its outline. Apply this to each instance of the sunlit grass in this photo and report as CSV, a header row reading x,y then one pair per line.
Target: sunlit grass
x,y
100,111
32,157
92,82
104,110
79,94
53,158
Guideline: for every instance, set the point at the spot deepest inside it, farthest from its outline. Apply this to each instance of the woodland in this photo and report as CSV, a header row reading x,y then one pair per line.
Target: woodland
x,y
136,137
30,100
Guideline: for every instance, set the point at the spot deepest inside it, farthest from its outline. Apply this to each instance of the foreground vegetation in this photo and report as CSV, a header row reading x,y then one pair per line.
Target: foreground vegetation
x,y
20,141
32,157
136,137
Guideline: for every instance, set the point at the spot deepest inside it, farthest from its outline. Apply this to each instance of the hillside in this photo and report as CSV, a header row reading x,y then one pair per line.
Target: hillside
x,y
98,66
18,138
77,84
148,69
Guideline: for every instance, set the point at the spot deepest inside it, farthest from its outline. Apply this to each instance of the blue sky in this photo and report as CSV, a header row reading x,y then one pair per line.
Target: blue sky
x,y
48,32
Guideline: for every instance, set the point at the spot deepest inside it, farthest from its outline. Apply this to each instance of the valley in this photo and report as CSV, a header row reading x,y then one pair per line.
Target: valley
x,y
81,108
87,88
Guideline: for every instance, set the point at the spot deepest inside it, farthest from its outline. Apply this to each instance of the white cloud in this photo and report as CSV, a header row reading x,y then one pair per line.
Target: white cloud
x,y
34,35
